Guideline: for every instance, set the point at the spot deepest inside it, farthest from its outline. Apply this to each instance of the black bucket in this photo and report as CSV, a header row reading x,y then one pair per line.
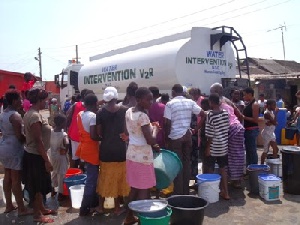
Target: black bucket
x,y
187,209
254,170
290,132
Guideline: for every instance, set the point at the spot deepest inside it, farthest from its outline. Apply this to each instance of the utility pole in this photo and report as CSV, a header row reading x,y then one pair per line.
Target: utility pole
x,y
282,41
39,58
76,54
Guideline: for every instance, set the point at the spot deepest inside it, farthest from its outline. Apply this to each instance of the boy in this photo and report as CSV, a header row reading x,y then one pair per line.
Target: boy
x,y
59,144
216,129
267,133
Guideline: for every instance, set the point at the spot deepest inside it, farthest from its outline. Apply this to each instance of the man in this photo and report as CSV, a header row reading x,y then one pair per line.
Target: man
x,y
262,103
178,135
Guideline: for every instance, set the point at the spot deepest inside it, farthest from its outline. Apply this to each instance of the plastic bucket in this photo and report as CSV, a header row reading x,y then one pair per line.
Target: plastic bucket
x,y
208,187
166,166
70,172
161,217
75,180
187,209
290,132
76,192
254,170
275,166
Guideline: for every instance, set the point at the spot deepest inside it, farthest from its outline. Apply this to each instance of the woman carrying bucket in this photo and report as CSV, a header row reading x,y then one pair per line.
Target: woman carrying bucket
x,y
139,157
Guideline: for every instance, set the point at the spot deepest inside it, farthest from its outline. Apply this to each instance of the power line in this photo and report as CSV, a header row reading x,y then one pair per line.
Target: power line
x,y
154,25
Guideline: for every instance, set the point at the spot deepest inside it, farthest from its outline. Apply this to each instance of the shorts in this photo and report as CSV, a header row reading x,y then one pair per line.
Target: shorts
x,y
222,161
267,138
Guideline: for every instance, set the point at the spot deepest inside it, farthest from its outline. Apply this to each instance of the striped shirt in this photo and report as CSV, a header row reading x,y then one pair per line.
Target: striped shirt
x,y
217,128
179,110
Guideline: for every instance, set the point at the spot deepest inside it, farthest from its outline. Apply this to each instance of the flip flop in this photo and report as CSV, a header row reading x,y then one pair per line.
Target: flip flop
x,y
49,212
136,220
43,219
10,210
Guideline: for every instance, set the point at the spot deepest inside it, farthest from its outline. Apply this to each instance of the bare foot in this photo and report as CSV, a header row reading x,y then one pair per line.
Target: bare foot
x,y
10,209
224,196
49,212
99,210
119,211
25,212
131,221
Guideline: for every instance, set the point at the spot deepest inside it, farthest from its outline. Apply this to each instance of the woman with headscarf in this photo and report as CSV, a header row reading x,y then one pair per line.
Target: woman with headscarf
x,y
110,121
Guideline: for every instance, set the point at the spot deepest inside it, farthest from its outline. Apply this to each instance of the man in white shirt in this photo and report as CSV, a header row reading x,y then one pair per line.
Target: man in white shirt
x,y
178,114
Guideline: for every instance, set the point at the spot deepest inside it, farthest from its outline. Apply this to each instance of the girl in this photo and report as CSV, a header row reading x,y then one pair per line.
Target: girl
x,y
139,157
267,133
59,144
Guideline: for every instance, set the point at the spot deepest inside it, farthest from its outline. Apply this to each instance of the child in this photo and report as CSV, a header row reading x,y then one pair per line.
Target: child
x,y
58,154
216,129
267,133
203,140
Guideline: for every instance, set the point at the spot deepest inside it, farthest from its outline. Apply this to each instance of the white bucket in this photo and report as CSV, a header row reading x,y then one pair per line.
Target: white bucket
x,y
12,195
76,195
270,187
275,166
208,187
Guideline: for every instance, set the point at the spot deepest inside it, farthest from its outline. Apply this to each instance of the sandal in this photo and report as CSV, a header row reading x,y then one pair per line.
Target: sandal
x,y
43,219
135,220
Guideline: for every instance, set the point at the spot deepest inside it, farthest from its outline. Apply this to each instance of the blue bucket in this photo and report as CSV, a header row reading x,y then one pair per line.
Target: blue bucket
x,y
207,177
166,166
75,180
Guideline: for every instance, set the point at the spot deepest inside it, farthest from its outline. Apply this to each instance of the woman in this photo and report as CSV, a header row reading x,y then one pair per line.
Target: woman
x,y
110,122
88,151
250,116
37,166
139,157
11,152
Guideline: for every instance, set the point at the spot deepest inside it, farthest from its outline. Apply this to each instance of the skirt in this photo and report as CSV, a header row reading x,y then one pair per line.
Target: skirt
x,y
139,175
112,180
35,177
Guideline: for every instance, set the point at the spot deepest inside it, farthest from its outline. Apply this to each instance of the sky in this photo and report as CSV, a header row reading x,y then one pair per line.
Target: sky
x,y
98,26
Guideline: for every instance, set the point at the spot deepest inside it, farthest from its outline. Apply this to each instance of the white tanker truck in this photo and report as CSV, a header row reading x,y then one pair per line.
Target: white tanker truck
x,y
196,58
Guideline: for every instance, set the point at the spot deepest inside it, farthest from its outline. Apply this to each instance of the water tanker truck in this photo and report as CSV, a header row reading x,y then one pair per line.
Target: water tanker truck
x,y
196,58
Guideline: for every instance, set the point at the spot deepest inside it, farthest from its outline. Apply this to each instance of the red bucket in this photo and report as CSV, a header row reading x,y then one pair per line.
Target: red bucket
x,y
70,172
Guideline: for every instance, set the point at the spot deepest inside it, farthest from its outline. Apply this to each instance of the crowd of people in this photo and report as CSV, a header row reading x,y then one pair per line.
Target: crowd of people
x,y
113,141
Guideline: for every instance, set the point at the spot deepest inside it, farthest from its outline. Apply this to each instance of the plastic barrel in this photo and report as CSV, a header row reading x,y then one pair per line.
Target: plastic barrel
x,y
187,209
254,170
70,172
166,166
291,169
281,122
208,187
161,217
75,180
